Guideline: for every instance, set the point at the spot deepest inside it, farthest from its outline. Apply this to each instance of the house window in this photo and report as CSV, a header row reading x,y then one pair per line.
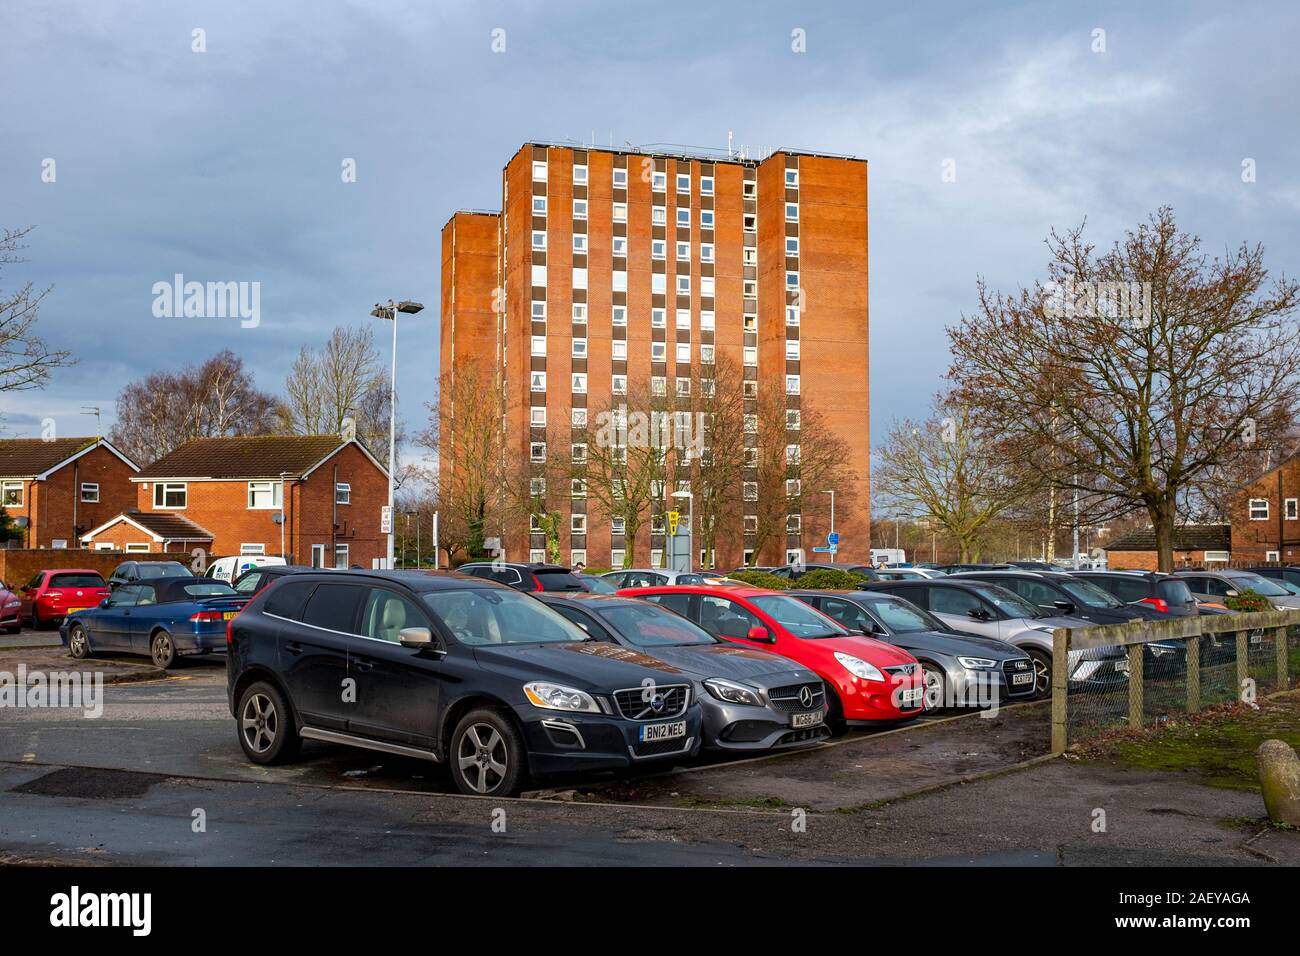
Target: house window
x,y
620,178
580,383
750,222
619,246
90,492
683,318
792,488
577,556
657,524
792,385
537,487
539,239
539,171
341,552
578,488
791,315
539,205
617,525
137,547
579,348
252,549
791,246
706,354
579,312
579,242
578,524
750,355
658,283
580,175
535,524
169,494
658,182
618,384
658,318
620,211
792,454
579,453
618,349
791,280
706,218
539,311
683,182
706,252
792,524
318,555
620,281
580,209
683,218
656,557
1270,556
578,418
658,351
538,380
792,419
539,275
616,557
1258,509
683,353
659,215
706,286
683,252
658,386
792,178
264,494
580,278
706,321
11,494
537,416
792,212
537,555
537,451
1291,512
684,285
539,345
792,350
619,315
750,489
683,387
751,527
706,185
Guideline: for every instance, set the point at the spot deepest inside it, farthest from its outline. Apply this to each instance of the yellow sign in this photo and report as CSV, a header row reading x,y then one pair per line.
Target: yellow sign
x,y
673,518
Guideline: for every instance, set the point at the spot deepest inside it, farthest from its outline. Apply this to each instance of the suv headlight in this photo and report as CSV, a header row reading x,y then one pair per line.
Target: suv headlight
x,y
858,667
731,692
558,697
976,663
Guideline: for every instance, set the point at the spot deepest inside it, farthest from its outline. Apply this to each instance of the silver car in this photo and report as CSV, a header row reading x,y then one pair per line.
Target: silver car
x,y
1214,586
651,577
977,607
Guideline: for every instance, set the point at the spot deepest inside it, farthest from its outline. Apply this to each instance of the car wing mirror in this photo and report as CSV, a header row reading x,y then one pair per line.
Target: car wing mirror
x,y
978,613
104,603
761,635
1064,607
1230,593
415,637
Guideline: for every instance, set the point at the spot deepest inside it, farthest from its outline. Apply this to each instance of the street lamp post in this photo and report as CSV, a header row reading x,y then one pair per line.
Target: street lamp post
x,y
389,312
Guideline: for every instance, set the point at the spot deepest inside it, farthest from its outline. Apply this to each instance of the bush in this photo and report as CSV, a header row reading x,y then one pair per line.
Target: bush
x,y
596,571
1248,601
830,579
760,579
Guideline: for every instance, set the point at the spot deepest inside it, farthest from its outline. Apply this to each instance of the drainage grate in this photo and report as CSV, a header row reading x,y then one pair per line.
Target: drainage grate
x,y
90,784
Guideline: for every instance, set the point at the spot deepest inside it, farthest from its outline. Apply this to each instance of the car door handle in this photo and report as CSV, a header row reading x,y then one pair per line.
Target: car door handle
x,y
294,648
363,665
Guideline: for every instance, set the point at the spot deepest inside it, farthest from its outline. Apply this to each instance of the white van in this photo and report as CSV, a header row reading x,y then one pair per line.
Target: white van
x,y
229,569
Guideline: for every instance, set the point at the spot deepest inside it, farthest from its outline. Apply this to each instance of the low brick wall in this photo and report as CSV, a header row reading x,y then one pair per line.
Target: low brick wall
x,y
19,565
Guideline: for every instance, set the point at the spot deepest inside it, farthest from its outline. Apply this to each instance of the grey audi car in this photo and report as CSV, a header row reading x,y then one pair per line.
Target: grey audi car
x,y
751,699
961,669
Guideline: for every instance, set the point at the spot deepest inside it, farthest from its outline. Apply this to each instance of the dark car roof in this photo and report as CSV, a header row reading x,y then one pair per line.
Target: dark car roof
x,y
578,598
1027,573
172,589
862,594
420,581
535,566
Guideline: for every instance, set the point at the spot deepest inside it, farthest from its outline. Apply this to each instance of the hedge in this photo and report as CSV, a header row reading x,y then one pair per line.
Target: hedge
x,y
760,579
830,579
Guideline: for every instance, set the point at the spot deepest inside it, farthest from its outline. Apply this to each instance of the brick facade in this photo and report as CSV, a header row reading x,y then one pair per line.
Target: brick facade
x,y
52,502
1270,530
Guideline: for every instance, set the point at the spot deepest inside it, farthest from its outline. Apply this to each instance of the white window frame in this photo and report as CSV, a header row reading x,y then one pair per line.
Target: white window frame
x,y
256,488
1291,509
578,383
90,492
706,185
580,313
578,418
539,205
792,177
167,487
659,351
658,318
578,524
580,175
619,315
618,349
619,213
137,547
580,242
684,187
1258,505
580,209
537,452
683,217
619,246
342,493
579,348
619,178
539,240
537,381
538,346
707,218
706,252
792,212
14,485
539,170
537,416
252,547
342,556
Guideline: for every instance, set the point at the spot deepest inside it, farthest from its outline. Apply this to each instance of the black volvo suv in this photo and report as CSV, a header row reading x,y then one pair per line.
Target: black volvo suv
x,y
448,668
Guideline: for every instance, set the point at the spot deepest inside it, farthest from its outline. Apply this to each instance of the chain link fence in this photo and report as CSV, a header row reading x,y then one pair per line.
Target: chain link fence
x,y
1141,672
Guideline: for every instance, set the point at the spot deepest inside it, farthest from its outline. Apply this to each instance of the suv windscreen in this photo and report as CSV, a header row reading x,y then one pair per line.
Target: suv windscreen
x,y
1175,592
1009,604
76,581
1089,594
798,618
160,569
488,616
1258,584
652,626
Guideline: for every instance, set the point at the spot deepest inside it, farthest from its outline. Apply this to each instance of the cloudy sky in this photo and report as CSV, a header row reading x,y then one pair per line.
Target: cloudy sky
x,y
225,165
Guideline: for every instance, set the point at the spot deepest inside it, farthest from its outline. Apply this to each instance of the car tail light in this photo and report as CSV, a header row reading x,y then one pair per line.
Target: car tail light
x,y
201,616
1160,604
229,639
538,583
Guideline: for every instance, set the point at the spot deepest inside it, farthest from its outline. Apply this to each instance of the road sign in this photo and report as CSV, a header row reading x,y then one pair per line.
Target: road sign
x,y
833,538
385,520
829,549
673,518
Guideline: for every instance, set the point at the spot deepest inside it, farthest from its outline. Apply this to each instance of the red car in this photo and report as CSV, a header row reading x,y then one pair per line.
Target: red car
x,y
52,595
10,605
868,680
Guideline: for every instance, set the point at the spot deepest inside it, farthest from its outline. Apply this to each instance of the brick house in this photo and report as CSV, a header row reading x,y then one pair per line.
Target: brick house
x,y
313,498
1265,515
1195,545
58,489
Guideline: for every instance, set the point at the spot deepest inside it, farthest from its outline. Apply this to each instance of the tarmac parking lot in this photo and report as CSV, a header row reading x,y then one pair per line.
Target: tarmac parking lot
x,y
130,785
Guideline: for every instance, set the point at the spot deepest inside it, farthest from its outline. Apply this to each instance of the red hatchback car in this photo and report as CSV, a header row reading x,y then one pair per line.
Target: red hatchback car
x,y
10,605
52,595
868,680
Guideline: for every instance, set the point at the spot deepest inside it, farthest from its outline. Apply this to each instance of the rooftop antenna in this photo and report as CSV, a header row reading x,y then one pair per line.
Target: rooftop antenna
x,y
94,410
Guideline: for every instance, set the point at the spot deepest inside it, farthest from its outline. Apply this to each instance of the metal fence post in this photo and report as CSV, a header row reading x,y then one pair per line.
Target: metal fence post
x,y
1280,647
1135,685
1192,646
1243,659
1060,687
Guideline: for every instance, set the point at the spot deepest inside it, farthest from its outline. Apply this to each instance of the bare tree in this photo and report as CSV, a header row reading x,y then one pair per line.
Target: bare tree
x,y
163,410
25,359
1134,373
343,380
948,472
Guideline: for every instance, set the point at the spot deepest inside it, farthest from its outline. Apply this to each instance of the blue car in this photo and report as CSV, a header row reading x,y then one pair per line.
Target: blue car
x,y
163,617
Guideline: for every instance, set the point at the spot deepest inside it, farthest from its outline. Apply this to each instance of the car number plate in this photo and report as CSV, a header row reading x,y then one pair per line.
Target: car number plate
x,y
1022,678
77,610
806,720
913,696
652,732
229,615
1121,665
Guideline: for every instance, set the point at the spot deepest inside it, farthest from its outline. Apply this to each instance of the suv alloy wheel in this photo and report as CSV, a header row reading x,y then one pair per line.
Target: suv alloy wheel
x,y
266,730
487,754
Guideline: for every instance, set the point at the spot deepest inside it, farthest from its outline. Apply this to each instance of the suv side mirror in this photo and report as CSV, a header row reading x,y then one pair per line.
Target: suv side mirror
x,y
1231,592
978,613
415,637
761,635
